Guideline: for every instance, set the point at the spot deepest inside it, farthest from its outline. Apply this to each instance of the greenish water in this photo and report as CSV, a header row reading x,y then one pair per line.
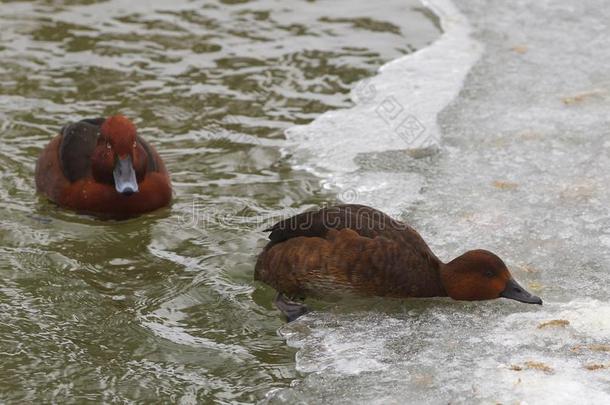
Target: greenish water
x,y
163,308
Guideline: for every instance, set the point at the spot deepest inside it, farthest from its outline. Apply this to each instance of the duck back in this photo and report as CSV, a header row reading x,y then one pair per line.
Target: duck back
x,y
348,249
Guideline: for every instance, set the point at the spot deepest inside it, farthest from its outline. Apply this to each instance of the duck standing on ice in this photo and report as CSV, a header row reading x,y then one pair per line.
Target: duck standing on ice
x,y
355,249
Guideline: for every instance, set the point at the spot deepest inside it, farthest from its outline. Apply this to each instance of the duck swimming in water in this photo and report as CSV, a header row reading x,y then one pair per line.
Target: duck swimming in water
x,y
355,249
101,166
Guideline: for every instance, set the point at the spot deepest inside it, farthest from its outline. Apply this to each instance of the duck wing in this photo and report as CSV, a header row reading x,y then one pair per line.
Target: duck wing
x,y
365,221
343,263
78,142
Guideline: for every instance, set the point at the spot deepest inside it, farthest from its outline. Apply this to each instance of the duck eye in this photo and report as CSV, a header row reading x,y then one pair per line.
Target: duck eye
x,y
489,273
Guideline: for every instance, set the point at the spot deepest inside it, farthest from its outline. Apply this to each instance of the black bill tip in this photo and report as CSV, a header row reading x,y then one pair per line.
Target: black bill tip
x,y
515,292
127,191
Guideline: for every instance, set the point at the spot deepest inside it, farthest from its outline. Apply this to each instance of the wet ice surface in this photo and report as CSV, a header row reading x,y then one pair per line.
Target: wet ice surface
x,y
442,352
522,170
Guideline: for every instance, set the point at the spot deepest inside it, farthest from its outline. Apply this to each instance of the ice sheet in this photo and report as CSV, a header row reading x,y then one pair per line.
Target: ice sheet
x,y
519,165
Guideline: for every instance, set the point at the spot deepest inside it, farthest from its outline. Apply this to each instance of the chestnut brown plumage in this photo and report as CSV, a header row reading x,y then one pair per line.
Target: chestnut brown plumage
x,y
101,166
355,249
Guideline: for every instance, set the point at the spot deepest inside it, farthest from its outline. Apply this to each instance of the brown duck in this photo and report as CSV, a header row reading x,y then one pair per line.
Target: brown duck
x,y
103,167
355,249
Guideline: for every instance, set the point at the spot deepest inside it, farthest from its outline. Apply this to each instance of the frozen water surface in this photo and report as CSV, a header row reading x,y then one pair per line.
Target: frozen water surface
x,y
514,99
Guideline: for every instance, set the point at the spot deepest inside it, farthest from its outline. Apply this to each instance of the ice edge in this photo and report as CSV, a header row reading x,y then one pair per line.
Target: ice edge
x,y
396,109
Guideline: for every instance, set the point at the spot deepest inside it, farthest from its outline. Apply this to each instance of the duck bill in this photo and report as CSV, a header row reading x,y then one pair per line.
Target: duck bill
x,y
124,175
515,292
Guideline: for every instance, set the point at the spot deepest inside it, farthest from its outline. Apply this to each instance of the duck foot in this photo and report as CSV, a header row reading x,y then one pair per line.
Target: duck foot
x,y
291,309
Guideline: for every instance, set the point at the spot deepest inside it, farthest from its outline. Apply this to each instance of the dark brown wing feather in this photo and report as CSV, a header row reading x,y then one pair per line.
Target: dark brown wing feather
x,y
366,221
78,142
348,247
153,158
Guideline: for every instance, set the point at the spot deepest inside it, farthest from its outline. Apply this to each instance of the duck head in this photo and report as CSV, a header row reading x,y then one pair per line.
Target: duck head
x,y
118,158
481,275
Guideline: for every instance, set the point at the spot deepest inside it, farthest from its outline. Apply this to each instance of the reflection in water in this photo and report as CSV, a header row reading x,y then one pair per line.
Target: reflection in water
x,y
163,307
